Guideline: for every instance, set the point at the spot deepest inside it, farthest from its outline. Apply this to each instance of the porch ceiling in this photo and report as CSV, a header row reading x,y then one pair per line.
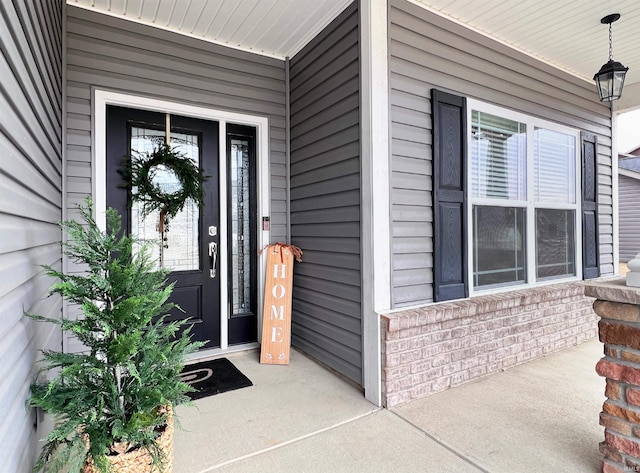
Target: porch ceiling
x,y
276,28
565,33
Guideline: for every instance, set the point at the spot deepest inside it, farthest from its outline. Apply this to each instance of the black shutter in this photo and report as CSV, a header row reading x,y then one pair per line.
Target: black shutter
x,y
449,116
590,247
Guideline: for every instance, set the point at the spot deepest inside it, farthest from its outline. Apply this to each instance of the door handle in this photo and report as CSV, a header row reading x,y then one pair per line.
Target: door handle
x,y
213,254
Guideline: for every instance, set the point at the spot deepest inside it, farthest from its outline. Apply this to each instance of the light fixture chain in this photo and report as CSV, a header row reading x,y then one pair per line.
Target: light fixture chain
x,y
610,42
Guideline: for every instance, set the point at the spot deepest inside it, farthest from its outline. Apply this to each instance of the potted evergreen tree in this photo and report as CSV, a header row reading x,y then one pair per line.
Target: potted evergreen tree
x,y
112,403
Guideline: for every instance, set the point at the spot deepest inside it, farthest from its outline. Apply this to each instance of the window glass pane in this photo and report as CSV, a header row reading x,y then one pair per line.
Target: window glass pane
x,y
498,157
555,166
555,243
240,226
181,250
498,246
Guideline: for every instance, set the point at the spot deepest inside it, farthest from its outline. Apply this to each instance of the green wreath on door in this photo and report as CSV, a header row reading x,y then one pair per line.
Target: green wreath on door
x,y
140,173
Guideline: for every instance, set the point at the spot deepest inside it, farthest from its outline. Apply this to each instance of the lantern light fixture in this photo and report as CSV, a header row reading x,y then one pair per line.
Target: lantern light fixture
x,y
610,78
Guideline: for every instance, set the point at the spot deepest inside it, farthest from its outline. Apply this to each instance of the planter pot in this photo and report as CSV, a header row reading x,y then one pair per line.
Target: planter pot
x,y
139,460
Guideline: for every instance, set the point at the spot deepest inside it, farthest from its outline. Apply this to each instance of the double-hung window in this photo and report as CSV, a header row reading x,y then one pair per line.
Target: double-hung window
x,y
523,199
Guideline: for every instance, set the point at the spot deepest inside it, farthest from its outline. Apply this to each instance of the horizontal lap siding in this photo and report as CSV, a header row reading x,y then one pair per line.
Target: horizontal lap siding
x,y
109,53
115,54
629,199
325,196
427,51
30,207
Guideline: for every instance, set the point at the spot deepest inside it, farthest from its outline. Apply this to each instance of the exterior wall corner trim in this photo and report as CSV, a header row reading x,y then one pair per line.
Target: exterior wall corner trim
x,y
375,198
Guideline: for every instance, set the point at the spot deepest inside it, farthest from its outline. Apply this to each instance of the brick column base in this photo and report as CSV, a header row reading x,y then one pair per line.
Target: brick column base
x,y
619,330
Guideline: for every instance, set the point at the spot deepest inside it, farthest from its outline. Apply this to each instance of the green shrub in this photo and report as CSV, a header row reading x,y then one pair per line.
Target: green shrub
x,y
112,394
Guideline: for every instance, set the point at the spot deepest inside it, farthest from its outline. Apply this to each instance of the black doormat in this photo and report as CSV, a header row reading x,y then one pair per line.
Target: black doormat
x,y
213,377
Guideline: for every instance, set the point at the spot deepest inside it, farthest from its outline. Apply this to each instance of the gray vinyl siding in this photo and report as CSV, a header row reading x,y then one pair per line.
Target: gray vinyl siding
x,y
325,196
109,53
629,208
114,54
30,207
427,51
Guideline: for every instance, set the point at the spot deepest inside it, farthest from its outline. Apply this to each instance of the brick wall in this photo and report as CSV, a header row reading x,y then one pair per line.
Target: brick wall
x,y
619,330
432,348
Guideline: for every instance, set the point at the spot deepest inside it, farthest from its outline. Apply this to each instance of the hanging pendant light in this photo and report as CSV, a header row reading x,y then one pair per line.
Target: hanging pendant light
x,y
610,78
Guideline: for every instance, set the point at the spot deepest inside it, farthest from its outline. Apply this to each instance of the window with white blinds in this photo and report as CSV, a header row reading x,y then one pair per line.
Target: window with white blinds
x,y
555,166
523,199
498,153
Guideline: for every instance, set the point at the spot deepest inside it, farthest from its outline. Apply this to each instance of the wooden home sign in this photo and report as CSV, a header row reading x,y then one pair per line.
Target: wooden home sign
x,y
276,315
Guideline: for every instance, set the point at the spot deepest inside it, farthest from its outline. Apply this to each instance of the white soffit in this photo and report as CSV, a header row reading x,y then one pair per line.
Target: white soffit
x,y
565,33
275,28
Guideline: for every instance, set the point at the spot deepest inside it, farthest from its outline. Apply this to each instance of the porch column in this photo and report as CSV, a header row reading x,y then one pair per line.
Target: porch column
x,y
375,210
618,306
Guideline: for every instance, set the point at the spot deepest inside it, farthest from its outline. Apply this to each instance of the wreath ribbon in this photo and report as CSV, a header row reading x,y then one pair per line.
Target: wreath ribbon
x,y
294,250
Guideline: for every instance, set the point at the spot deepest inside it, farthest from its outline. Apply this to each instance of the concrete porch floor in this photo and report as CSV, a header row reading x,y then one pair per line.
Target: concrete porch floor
x,y
538,417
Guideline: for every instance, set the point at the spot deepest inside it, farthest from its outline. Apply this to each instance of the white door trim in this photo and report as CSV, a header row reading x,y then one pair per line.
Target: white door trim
x,y
102,98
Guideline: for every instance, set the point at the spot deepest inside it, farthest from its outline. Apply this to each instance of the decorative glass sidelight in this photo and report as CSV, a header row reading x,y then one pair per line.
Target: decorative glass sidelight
x,y
240,219
181,250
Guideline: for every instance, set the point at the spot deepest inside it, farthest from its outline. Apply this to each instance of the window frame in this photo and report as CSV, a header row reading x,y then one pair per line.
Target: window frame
x,y
529,204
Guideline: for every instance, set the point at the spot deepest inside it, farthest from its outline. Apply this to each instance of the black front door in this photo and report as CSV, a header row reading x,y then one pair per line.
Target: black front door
x,y
191,245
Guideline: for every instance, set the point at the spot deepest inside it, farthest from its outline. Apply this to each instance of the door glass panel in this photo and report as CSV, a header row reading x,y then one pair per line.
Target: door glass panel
x,y
240,226
181,242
